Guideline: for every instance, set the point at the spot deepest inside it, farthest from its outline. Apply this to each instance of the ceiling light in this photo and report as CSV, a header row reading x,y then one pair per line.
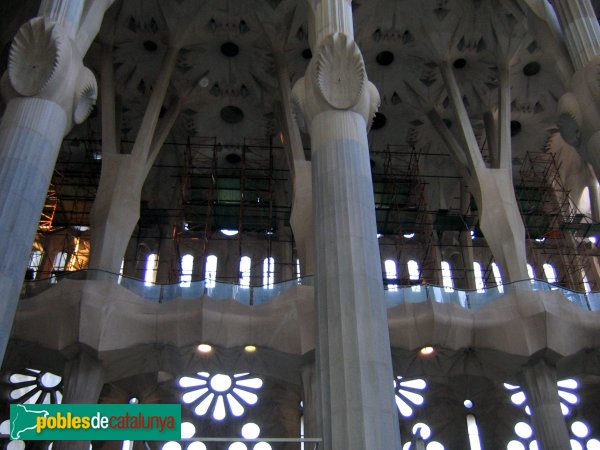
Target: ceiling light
x,y
409,235
250,348
426,351
468,404
379,235
542,239
228,232
204,348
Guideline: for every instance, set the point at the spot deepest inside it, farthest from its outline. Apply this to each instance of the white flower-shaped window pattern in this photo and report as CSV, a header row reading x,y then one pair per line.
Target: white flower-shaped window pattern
x,y
567,391
34,386
409,394
422,432
220,394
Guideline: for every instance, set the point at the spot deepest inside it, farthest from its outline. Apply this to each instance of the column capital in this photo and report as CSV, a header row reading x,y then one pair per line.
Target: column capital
x,y
44,62
336,79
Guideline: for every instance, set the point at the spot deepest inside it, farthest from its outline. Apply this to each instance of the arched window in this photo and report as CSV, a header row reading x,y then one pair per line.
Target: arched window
x,y
473,430
414,274
151,269
298,273
549,272
187,264
60,261
210,272
586,283
34,263
530,272
497,277
447,281
391,273
268,272
245,264
478,273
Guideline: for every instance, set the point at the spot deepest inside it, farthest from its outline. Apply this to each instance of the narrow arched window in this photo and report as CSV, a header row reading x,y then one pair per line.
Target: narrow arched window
x,y
151,269
187,265
473,430
391,274
268,272
34,264
530,272
210,272
414,274
478,273
549,272
298,272
497,277
447,281
245,266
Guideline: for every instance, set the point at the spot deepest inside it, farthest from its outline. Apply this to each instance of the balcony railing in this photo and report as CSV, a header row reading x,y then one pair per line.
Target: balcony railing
x,y
258,295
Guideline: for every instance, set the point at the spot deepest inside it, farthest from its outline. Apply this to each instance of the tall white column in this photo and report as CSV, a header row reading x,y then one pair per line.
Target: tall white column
x,y
539,383
335,103
47,90
581,30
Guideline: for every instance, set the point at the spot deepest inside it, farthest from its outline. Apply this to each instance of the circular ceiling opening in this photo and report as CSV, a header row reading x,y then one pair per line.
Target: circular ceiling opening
x,y
460,63
307,53
378,121
233,158
385,58
232,114
515,127
230,49
532,68
150,46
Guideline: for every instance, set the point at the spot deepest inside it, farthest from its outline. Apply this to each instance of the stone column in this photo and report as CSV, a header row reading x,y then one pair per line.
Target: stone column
x,y
83,381
335,103
581,30
310,402
47,90
539,383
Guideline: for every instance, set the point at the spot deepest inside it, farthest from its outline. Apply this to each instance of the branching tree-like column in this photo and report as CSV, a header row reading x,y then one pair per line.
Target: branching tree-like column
x,y
335,102
47,90
579,109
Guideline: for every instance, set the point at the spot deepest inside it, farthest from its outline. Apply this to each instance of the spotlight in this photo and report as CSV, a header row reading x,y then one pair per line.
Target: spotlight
x,y
426,351
204,348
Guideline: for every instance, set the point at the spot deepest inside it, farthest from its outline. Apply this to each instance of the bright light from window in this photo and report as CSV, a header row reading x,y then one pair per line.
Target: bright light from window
x,y
515,445
204,348
414,273
580,429
391,273
210,272
409,235
497,277
426,351
421,429
60,261
171,445
34,262
245,265
523,430
196,445
540,240
447,281
593,239
151,269
473,431
298,273
586,283
479,284
549,272
530,272
187,430
121,273
250,431
227,232
268,272
187,265
468,404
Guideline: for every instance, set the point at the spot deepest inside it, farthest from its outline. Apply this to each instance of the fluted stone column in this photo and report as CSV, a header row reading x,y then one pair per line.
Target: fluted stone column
x,y
539,383
47,90
581,30
335,102
83,381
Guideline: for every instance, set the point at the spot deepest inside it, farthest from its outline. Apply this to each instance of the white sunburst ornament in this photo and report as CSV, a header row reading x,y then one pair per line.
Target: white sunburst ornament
x,y
408,394
567,391
220,394
32,386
